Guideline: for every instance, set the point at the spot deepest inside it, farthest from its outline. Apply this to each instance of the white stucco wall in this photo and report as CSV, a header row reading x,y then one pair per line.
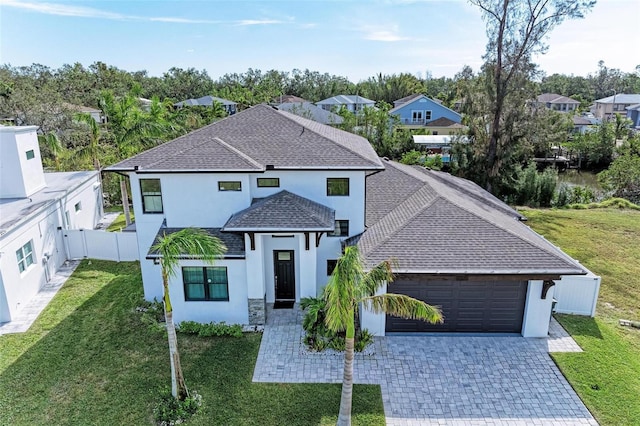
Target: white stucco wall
x,y
375,323
537,311
48,248
234,311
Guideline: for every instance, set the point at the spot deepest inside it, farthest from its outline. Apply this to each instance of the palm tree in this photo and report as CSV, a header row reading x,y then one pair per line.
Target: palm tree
x,y
52,143
351,285
190,243
93,150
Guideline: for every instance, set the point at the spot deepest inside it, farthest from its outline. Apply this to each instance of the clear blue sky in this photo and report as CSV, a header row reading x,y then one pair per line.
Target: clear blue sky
x,y
356,39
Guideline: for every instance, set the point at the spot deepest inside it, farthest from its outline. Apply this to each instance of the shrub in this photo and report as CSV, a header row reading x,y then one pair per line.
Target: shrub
x,y
318,337
574,194
152,315
172,411
533,188
210,329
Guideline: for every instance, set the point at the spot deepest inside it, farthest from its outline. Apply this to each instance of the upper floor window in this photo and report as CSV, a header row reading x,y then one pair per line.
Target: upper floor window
x,y
341,229
208,283
268,182
337,186
78,206
427,115
31,154
151,195
25,256
229,185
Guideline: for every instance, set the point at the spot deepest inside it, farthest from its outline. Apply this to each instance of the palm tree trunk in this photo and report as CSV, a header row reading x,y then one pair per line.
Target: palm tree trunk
x,y
344,418
178,385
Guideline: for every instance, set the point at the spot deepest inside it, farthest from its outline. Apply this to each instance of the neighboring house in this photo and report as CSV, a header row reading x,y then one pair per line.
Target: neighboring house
x,y
353,103
633,114
96,114
417,111
312,112
444,126
286,193
605,108
583,124
229,106
288,99
34,209
557,102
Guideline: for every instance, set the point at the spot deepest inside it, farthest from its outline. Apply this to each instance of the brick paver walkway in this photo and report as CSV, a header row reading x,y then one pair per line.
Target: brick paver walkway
x,y
438,380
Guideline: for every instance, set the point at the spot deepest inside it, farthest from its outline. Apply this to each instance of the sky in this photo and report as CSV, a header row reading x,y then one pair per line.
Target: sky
x,y
353,38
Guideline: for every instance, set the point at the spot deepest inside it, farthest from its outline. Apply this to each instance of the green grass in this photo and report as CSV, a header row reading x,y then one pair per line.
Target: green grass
x,y
88,359
607,374
120,222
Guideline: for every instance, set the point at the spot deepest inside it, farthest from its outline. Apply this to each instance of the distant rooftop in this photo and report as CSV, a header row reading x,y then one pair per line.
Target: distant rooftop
x,y
620,98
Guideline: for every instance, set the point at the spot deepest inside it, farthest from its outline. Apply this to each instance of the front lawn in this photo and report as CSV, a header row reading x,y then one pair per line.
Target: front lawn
x,y
88,359
607,374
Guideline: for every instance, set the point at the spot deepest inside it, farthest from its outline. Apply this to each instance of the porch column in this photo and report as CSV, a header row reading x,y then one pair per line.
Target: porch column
x,y
308,260
537,311
254,260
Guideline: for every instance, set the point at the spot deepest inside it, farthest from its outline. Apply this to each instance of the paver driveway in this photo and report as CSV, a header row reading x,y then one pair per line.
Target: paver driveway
x,y
440,380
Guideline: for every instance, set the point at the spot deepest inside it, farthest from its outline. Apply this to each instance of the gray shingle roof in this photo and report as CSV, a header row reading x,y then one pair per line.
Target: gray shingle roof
x,y
255,138
346,100
621,98
446,226
444,122
234,242
283,211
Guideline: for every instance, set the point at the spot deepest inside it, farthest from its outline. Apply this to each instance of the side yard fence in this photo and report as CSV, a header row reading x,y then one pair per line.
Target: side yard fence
x,y
577,294
88,243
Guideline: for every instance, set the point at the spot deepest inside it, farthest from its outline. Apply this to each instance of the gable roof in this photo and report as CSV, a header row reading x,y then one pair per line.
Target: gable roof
x,y
204,101
406,99
255,139
554,98
439,224
286,99
414,98
311,111
346,100
633,107
283,211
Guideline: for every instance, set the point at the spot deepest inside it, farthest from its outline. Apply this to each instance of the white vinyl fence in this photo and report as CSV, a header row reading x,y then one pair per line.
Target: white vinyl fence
x,y
577,294
88,243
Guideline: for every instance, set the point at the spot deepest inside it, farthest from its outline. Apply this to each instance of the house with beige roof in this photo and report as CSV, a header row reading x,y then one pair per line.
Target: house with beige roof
x,y
286,194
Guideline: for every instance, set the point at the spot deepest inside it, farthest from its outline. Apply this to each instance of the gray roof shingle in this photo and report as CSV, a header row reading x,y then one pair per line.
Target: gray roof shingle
x,y
311,111
445,225
255,138
283,211
234,242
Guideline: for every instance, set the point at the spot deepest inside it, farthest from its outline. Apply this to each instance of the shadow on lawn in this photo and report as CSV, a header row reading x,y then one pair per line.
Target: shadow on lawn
x,y
578,325
102,365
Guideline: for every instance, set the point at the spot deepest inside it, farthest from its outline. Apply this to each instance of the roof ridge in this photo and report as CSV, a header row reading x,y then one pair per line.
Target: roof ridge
x,y
307,209
240,153
295,118
400,208
556,253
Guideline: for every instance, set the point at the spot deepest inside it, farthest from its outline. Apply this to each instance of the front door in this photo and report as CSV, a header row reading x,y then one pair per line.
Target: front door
x,y
284,274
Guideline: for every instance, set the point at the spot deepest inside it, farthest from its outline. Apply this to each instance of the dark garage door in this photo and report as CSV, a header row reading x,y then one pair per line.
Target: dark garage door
x,y
467,306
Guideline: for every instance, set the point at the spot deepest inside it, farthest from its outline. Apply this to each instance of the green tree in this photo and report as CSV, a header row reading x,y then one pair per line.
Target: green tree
x,y
192,243
516,30
351,285
623,175
92,150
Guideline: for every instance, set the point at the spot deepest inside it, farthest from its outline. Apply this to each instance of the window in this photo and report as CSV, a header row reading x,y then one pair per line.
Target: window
x,y
337,186
268,182
416,116
427,115
78,206
151,195
25,256
331,265
226,185
208,283
31,155
341,229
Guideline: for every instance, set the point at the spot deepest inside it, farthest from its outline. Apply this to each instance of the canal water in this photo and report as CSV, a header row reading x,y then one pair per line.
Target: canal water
x,y
582,178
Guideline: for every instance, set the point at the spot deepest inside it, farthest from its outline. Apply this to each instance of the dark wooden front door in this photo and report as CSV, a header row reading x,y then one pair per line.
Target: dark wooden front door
x,y
284,274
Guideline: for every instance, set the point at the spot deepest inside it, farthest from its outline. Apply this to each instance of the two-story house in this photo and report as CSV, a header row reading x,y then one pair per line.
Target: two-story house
x,y
353,103
557,102
35,208
420,112
606,108
286,194
229,106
